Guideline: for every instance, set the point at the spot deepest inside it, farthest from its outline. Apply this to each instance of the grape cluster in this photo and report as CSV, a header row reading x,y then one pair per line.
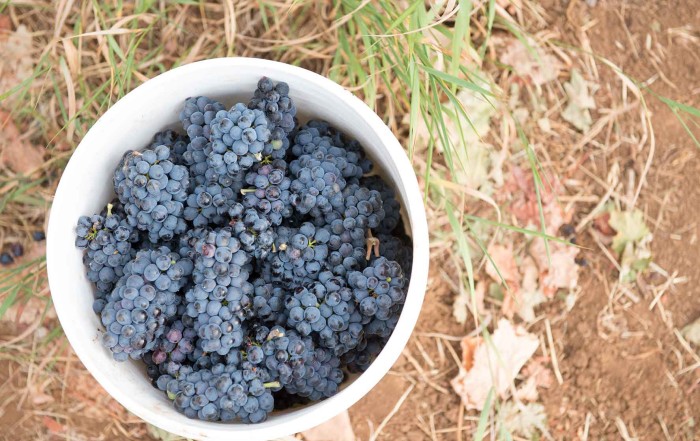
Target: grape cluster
x,y
220,299
197,115
238,137
171,350
144,298
209,204
221,393
196,118
391,206
107,240
274,101
153,190
350,148
300,257
361,210
310,141
252,229
269,192
379,293
318,185
319,377
248,262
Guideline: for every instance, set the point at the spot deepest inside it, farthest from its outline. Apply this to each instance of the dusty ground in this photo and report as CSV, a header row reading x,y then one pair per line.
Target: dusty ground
x,y
634,377
620,366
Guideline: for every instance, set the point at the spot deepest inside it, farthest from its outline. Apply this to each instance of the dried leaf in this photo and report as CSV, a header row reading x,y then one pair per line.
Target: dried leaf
x,y
519,191
631,242
463,302
577,111
532,282
526,420
560,270
495,363
469,345
537,375
51,424
630,228
466,130
532,62
338,428
478,109
530,294
15,151
692,332
502,267
460,307
635,258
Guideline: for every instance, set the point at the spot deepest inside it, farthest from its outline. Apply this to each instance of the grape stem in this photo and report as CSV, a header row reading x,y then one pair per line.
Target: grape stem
x,y
272,384
372,245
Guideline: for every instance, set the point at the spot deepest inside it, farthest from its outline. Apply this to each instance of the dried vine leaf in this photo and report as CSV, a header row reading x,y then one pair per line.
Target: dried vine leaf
x,y
495,363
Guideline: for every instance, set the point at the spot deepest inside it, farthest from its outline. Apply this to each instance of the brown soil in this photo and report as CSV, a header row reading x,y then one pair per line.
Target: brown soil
x,y
613,382
636,379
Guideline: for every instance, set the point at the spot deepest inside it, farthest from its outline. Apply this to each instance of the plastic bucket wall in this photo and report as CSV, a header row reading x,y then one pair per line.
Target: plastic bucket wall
x,y
86,186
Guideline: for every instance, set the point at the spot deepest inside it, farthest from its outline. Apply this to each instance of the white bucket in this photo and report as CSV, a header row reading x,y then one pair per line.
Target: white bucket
x,y
86,186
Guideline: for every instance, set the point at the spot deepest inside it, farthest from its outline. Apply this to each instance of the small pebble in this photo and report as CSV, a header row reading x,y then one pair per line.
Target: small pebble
x,y
17,249
6,259
38,236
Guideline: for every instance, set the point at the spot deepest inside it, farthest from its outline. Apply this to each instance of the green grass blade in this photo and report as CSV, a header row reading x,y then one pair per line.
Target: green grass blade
x,y
460,36
462,246
456,81
484,417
